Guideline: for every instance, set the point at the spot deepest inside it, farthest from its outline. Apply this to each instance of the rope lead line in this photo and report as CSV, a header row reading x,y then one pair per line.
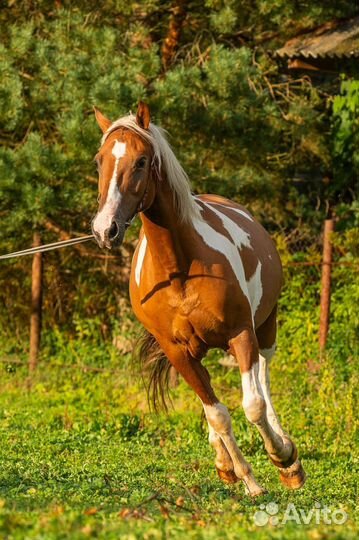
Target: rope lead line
x,y
48,247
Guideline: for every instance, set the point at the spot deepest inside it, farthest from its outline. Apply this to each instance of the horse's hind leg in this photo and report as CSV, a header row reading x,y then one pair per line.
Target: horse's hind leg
x,y
266,337
292,476
259,410
217,415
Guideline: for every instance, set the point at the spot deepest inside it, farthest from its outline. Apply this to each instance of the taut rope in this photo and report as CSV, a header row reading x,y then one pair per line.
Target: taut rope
x,y
48,247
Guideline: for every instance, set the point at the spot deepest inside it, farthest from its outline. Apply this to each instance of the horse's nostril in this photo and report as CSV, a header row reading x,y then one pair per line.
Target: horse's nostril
x,y
113,231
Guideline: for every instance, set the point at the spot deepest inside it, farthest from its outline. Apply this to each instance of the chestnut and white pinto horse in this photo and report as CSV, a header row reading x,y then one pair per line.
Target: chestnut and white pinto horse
x,y
205,274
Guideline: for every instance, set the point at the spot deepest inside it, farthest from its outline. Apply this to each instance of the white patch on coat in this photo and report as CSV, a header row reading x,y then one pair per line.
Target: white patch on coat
x,y
255,288
103,219
140,259
238,210
252,289
238,235
220,243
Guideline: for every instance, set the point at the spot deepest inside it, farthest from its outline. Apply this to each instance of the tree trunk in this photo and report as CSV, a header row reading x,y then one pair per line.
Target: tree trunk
x,y
171,41
36,305
326,282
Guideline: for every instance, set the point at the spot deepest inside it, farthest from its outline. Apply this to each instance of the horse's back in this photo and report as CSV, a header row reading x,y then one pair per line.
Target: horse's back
x,y
258,254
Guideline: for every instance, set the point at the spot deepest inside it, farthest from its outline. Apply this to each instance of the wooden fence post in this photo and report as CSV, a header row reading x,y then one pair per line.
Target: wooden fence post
x,y
36,305
326,282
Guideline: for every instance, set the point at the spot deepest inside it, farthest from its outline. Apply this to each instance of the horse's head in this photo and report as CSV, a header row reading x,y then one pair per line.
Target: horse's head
x,y
124,164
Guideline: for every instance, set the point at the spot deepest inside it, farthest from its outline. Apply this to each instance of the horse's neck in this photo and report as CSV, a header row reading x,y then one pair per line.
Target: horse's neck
x,y
165,232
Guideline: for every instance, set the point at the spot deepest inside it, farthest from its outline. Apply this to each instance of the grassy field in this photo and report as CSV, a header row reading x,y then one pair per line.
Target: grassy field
x,y
81,455
81,458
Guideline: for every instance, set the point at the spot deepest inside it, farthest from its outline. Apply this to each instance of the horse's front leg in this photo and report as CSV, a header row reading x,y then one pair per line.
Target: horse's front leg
x,y
219,420
230,462
259,411
223,461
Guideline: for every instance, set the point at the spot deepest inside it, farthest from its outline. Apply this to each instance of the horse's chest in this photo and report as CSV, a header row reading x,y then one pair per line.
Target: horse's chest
x,y
195,315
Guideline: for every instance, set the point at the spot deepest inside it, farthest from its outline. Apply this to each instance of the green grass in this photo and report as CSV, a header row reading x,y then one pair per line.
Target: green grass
x,y
82,457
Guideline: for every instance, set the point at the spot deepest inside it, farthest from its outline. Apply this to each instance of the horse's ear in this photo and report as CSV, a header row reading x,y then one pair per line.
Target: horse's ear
x,y
102,121
143,115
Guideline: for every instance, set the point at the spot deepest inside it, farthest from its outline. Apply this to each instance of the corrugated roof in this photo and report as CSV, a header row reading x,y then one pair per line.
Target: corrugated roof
x,y
331,40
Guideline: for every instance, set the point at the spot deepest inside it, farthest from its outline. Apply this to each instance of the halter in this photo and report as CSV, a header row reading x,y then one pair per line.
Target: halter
x,y
140,207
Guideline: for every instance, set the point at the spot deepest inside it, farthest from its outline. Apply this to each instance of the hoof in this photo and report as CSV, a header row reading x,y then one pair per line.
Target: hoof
x,y
228,477
293,477
256,493
251,486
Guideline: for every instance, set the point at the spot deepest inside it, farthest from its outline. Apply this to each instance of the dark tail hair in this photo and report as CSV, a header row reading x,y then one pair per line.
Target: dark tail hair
x,y
155,369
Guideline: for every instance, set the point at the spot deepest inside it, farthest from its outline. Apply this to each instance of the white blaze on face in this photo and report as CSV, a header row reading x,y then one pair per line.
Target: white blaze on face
x,y
104,218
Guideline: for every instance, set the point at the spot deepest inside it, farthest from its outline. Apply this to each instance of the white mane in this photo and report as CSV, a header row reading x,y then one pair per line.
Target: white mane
x,y
163,157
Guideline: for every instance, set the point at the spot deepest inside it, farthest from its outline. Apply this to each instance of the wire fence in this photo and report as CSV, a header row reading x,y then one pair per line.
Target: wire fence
x,y
321,263
326,263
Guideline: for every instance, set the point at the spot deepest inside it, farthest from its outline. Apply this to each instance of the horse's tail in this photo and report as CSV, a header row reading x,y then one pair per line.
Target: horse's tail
x,y
155,369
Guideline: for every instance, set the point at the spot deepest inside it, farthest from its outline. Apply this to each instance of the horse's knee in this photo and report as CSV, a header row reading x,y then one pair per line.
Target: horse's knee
x,y
213,437
254,407
218,417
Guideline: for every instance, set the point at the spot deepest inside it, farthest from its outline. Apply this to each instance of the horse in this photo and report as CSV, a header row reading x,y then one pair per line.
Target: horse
x,y
205,274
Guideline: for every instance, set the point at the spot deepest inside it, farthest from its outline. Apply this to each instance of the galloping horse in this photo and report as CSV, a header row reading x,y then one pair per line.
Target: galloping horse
x,y
204,274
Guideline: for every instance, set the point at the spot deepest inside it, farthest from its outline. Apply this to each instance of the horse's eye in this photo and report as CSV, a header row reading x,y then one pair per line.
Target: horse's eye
x,y
141,163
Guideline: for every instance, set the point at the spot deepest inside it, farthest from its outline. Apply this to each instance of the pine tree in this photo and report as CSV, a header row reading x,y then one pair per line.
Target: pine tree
x,y
238,128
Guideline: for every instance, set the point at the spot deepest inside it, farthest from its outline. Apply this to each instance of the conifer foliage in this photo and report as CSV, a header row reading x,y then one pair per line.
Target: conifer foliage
x,y
240,126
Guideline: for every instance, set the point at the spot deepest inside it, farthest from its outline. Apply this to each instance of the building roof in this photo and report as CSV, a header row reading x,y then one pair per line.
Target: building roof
x,y
335,39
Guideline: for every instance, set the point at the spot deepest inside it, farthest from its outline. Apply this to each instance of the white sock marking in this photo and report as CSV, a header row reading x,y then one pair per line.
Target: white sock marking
x,y
253,398
264,358
218,417
268,353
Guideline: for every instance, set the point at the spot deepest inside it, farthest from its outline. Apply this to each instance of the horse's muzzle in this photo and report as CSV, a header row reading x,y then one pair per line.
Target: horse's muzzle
x,y
112,236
